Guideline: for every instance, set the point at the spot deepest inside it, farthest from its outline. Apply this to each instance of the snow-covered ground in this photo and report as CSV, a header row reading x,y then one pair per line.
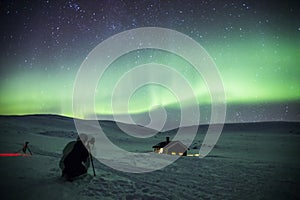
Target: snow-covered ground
x,y
253,161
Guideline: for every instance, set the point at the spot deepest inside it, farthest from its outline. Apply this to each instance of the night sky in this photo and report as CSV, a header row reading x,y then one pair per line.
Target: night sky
x,y
255,45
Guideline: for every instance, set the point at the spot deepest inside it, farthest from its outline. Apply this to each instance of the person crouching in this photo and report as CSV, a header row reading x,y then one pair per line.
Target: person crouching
x,y
75,160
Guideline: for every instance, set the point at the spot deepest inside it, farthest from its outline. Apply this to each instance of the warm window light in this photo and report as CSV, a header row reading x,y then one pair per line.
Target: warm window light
x,y
161,150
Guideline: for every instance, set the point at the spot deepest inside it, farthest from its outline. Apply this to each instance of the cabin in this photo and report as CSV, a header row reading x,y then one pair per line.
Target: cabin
x,y
170,147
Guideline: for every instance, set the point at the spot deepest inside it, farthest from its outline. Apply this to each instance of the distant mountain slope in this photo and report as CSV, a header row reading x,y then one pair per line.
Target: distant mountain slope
x,y
58,124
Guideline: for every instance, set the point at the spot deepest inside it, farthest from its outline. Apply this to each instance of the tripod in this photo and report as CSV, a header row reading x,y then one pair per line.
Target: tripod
x,y
25,148
92,141
92,164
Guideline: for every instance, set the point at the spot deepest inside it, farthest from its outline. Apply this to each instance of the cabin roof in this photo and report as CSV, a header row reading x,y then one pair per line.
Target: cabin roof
x,y
161,144
172,144
169,144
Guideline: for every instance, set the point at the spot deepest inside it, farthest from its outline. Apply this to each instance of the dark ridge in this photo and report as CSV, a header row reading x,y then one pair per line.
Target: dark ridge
x,y
277,126
37,115
271,126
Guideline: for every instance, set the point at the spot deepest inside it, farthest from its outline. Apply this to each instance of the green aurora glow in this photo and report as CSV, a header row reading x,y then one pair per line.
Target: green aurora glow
x,y
255,45
251,73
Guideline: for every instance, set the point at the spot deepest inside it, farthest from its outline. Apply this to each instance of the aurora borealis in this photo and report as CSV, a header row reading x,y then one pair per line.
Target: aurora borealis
x,y
255,45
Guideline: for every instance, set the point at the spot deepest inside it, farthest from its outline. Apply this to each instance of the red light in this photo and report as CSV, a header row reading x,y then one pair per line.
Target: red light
x,y
12,154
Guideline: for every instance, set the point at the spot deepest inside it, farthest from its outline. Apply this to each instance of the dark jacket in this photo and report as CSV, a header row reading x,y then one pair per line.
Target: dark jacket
x,y
75,159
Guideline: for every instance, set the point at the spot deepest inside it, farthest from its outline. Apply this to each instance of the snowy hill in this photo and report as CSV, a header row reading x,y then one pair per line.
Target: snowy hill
x,y
250,161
